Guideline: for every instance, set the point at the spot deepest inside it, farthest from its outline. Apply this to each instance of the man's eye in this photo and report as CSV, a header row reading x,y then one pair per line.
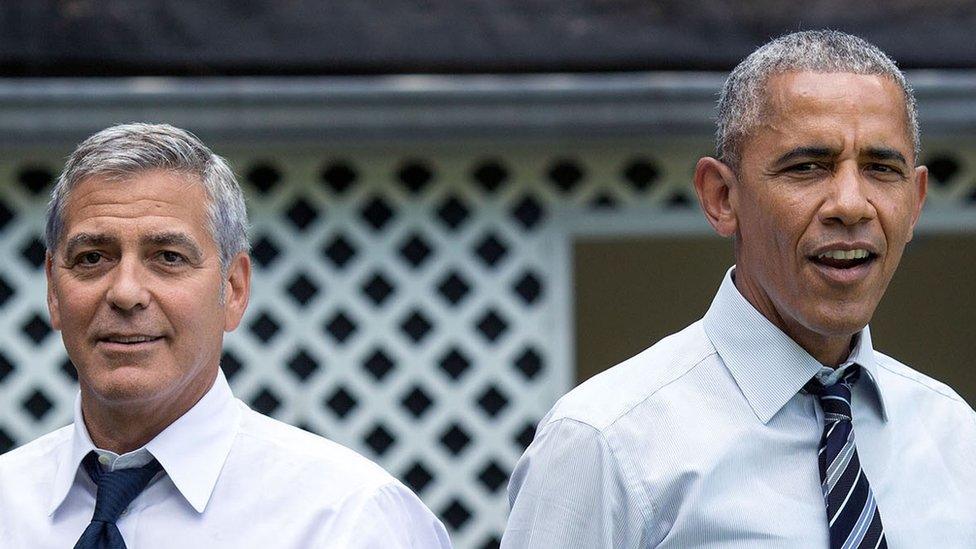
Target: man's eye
x,y
806,167
171,257
90,258
887,172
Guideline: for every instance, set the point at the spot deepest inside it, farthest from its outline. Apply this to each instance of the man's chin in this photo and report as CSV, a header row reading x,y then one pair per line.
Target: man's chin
x,y
122,386
837,322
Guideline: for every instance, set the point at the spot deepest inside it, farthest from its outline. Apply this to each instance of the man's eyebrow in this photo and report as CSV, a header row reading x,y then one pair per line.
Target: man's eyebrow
x,y
885,153
88,239
181,240
806,153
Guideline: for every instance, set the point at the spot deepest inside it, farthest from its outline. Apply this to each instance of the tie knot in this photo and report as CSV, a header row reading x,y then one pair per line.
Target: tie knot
x,y
835,399
117,489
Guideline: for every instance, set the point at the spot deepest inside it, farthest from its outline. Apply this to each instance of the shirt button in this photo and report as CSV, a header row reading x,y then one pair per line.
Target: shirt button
x,y
103,459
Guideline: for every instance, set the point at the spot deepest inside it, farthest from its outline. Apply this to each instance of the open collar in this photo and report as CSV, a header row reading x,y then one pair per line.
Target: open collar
x,y
192,450
768,366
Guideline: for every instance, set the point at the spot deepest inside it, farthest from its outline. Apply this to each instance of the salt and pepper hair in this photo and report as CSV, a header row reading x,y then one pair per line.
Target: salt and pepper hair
x,y
131,149
741,104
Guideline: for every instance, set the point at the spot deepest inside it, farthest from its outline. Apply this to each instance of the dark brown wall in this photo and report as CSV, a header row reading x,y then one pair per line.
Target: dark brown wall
x,y
632,292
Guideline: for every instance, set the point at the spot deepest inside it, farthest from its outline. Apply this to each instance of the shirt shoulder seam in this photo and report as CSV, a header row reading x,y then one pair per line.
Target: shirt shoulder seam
x,y
631,481
692,366
627,410
617,463
368,483
272,441
930,388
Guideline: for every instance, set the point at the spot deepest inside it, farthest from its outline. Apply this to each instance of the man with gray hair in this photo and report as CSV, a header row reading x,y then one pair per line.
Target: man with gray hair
x,y
147,267
772,422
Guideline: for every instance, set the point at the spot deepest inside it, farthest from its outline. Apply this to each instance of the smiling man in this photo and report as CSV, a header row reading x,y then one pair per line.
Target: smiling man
x,y
147,267
772,422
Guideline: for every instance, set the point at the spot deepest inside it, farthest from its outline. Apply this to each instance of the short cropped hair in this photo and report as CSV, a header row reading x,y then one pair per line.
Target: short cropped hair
x,y
743,97
130,149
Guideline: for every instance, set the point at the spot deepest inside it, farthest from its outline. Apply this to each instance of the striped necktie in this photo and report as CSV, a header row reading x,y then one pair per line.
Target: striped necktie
x,y
852,513
116,490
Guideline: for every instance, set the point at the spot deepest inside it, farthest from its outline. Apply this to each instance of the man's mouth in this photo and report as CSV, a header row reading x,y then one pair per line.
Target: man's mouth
x,y
129,339
844,259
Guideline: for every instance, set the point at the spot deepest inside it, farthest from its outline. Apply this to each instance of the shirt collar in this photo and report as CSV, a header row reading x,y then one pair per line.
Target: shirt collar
x,y
864,356
192,450
768,366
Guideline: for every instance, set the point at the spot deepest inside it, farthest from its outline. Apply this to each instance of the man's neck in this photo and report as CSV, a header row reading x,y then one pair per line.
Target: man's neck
x,y
829,350
124,427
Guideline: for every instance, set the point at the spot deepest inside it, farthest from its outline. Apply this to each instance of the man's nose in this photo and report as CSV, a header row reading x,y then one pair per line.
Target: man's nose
x,y
847,201
128,291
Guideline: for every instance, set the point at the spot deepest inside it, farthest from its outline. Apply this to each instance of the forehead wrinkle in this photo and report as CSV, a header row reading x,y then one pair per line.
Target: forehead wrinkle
x,y
103,192
803,103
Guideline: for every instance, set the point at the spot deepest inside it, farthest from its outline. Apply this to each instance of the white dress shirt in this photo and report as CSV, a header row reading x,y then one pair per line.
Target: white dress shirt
x,y
706,440
233,478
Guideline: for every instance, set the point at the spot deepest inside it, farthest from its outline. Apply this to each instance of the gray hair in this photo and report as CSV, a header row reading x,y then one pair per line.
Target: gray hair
x,y
743,97
130,149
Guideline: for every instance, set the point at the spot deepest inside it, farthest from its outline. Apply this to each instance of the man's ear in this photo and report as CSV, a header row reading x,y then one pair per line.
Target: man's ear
x,y
53,308
713,182
237,290
921,187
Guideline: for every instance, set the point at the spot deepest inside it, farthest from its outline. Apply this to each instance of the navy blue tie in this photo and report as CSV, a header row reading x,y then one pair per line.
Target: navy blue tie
x,y
116,490
852,513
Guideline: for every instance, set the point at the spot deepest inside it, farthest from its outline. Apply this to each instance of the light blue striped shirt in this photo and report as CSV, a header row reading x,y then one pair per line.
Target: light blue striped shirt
x,y
706,440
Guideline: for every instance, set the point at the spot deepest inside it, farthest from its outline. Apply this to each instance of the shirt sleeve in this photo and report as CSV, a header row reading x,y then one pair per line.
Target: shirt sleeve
x,y
388,517
567,491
